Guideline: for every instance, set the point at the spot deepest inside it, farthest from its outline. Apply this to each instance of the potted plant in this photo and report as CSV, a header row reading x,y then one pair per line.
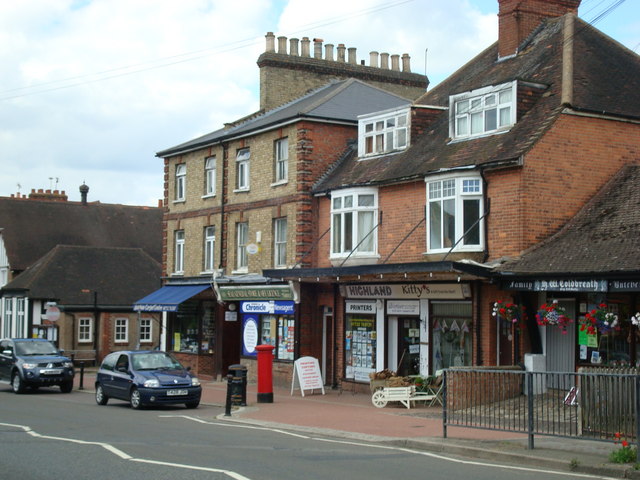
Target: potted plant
x,y
509,311
552,314
600,320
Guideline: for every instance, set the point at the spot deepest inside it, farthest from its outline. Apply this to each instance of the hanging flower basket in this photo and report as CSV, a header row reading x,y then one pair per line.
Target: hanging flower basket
x,y
600,320
552,314
635,320
511,312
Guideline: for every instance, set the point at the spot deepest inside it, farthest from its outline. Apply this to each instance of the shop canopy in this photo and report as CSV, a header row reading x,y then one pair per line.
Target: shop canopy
x,y
168,298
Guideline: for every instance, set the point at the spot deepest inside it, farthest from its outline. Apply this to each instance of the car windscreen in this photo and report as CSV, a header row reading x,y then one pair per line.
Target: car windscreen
x,y
35,348
154,361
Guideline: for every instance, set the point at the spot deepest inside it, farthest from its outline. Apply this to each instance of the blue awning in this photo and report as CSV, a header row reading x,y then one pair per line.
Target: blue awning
x,y
168,298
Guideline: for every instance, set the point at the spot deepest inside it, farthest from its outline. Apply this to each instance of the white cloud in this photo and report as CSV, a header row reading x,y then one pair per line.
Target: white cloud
x,y
122,79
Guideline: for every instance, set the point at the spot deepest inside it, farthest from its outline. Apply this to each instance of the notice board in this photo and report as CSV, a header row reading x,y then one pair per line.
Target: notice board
x,y
306,375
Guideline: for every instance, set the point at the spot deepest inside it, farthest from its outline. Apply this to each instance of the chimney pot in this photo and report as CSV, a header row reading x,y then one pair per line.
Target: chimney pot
x,y
341,52
293,47
317,48
305,47
406,62
84,190
352,55
384,61
282,45
271,42
373,59
395,63
328,52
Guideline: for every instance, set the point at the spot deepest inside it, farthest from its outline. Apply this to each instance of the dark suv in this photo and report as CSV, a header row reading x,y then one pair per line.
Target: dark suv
x,y
34,362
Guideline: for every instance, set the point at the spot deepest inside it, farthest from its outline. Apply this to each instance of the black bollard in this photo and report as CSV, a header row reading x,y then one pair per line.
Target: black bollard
x,y
227,406
81,387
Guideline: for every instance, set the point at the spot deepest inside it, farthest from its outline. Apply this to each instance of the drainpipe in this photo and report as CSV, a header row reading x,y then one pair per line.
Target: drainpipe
x,y
225,162
334,379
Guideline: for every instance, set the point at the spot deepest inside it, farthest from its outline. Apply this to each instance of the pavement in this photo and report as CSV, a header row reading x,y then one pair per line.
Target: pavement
x,y
351,415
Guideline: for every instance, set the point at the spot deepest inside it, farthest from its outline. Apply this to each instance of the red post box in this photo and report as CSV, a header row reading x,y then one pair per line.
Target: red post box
x,y
265,373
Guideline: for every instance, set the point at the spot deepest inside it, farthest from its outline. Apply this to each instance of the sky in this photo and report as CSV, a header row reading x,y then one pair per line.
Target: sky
x,y
90,90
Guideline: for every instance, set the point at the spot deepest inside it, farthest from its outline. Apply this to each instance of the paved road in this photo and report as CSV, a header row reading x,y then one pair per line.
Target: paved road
x,y
49,435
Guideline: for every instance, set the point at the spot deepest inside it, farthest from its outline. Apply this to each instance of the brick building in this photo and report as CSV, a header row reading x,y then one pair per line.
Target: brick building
x,y
238,200
90,261
495,164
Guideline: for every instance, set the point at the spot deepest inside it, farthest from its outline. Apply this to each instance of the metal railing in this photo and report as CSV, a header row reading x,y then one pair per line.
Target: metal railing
x,y
594,404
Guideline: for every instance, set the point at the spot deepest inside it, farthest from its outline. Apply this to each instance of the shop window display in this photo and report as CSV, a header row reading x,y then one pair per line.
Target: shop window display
x,y
451,334
194,328
279,331
360,347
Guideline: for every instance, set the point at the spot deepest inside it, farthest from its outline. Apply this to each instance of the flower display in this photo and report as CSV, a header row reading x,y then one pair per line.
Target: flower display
x,y
599,320
635,320
507,310
552,314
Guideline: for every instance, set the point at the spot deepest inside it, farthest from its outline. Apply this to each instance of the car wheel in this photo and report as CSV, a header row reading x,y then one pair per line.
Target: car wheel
x,y
17,384
135,399
192,404
66,387
101,397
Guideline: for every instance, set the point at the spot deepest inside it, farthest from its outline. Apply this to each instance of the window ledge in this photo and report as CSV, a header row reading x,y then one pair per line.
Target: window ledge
x,y
241,190
211,195
240,271
280,183
177,274
355,260
179,201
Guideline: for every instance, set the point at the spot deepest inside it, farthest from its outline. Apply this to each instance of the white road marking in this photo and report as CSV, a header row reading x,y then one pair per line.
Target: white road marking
x,y
124,456
397,449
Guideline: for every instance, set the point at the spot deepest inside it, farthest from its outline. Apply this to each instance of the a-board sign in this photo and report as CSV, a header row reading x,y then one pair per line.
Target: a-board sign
x,y
306,371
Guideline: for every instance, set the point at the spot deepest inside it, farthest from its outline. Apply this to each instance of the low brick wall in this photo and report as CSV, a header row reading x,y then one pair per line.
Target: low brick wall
x,y
281,372
475,386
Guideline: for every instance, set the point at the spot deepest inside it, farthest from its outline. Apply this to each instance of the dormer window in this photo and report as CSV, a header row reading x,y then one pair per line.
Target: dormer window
x,y
384,132
484,111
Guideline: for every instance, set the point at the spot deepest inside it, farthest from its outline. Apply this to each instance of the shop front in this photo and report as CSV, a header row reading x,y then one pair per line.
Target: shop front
x,y
411,329
599,330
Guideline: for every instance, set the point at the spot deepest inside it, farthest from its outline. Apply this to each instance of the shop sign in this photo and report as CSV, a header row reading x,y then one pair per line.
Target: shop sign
x,y
249,334
408,291
256,292
361,307
307,373
624,286
279,307
558,285
403,307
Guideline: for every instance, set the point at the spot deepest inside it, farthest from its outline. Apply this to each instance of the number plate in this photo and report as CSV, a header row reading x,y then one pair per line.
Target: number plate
x,y
177,393
51,371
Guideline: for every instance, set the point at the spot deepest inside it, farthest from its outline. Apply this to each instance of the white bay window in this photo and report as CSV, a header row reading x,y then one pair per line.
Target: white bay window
x,y
454,211
354,215
483,111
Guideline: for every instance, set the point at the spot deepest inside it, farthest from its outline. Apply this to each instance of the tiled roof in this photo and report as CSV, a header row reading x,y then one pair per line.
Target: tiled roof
x,y
606,80
604,237
71,275
339,101
31,228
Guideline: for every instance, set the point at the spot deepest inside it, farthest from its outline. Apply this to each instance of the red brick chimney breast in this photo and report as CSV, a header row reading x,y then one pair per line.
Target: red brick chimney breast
x,y
518,18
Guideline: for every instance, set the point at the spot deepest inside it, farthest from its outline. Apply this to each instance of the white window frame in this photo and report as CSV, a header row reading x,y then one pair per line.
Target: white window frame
x,y
181,182
8,317
146,330
85,330
475,107
210,176
121,330
179,243
243,169
454,190
383,132
242,238
209,248
281,156
21,307
345,216
280,242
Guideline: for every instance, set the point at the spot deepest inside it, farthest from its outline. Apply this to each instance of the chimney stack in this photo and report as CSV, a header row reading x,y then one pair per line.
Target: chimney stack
x,y
518,18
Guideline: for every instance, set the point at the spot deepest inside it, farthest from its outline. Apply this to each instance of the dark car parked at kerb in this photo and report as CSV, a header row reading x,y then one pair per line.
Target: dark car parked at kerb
x,y
145,378
34,362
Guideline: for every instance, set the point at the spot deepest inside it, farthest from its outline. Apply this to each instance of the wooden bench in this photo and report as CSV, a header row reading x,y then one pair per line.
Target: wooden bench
x,y
404,395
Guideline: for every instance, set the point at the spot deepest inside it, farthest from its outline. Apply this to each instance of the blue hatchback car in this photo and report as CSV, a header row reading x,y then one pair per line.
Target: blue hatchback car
x,y
145,378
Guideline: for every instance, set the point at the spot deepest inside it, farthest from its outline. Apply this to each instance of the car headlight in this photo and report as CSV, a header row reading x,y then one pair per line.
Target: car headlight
x,y
29,366
195,382
68,364
152,383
